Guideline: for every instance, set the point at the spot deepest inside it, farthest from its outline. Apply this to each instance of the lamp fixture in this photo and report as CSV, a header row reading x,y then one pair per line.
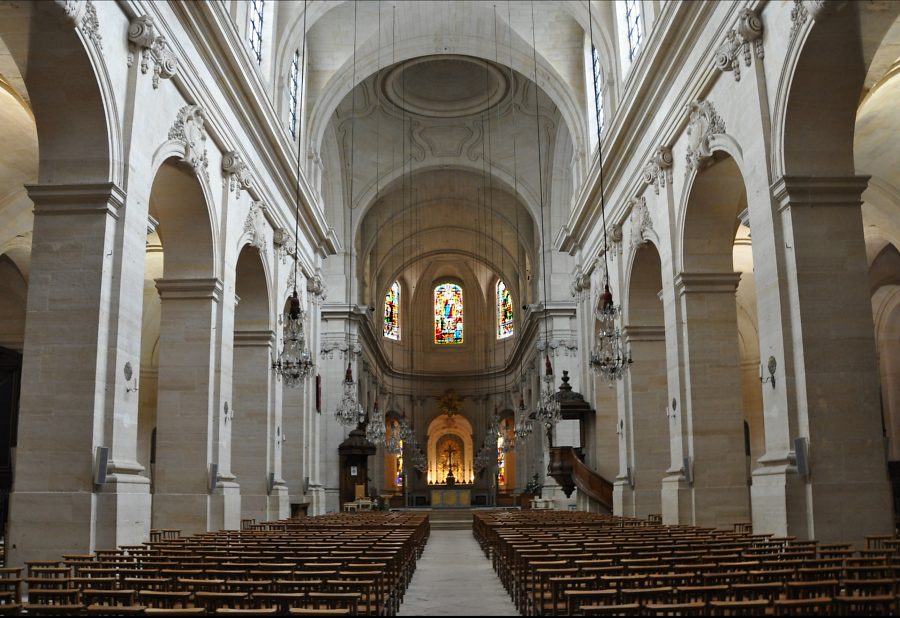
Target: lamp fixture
x,y
610,357
549,411
349,411
376,430
294,363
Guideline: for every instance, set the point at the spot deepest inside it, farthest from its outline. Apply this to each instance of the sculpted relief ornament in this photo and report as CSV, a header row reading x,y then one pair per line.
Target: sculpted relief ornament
x,y
188,129
642,223
738,42
78,14
704,123
255,226
143,37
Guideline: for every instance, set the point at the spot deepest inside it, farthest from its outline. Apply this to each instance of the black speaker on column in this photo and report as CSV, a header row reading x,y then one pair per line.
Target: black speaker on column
x,y
101,458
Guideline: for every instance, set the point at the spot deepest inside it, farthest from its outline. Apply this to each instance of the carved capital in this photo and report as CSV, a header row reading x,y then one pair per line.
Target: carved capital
x,y
236,172
189,130
704,123
144,38
659,168
738,42
284,243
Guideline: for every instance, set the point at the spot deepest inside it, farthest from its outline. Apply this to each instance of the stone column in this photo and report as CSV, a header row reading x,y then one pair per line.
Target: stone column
x,y
712,407
186,415
72,397
293,433
256,436
648,431
833,377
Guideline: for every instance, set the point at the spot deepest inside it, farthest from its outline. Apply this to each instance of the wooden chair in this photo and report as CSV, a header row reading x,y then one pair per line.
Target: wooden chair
x,y
808,606
625,609
865,605
754,607
697,608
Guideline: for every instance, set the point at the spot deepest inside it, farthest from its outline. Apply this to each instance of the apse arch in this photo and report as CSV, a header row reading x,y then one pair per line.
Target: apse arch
x,y
459,427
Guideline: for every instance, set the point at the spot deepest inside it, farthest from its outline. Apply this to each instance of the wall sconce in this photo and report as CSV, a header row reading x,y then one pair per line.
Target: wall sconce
x,y
772,366
228,414
621,428
673,407
129,374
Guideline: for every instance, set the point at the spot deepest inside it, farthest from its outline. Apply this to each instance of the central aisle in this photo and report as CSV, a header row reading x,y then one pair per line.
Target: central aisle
x,y
453,578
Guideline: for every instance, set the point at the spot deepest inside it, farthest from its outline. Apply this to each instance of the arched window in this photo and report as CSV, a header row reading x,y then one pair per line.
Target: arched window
x,y
448,313
598,87
293,92
256,28
504,311
392,312
634,27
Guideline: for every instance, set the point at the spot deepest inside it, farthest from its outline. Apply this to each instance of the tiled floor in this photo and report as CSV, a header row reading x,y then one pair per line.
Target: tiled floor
x,y
453,578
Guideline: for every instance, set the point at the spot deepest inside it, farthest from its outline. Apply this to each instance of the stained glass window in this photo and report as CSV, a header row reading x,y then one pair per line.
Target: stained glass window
x,y
256,25
448,313
501,463
504,311
392,312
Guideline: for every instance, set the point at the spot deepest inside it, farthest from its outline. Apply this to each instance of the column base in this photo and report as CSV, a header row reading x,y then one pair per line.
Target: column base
x,y
123,511
316,497
195,513
778,500
267,507
46,525
623,498
677,500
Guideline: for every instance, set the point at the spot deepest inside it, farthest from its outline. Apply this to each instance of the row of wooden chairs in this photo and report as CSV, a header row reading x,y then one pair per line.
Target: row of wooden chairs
x,y
554,563
351,564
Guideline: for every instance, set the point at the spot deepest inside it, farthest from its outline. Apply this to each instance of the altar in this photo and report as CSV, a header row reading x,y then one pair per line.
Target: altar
x,y
450,497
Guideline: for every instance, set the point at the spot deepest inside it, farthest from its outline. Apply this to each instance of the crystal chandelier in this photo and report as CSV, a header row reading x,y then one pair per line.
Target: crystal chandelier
x,y
549,411
376,430
349,410
609,358
295,362
524,422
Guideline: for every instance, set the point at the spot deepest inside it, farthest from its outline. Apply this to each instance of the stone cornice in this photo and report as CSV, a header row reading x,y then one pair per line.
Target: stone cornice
x,y
190,289
637,332
74,199
254,338
707,283
817,191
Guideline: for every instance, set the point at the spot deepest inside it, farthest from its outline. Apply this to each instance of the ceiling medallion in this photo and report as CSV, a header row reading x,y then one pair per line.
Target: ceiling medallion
x,y
444,86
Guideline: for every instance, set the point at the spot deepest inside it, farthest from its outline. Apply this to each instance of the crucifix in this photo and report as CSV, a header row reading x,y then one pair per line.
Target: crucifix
x,y
449,452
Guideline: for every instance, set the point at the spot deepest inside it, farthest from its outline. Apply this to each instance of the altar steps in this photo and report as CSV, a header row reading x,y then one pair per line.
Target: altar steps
x,y
450,519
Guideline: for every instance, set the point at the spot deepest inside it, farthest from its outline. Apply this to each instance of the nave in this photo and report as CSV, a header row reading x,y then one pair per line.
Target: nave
x,y
381,564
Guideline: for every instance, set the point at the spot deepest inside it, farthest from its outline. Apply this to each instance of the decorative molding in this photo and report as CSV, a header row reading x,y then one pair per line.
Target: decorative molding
x,y
77,14
142,36
188,129
738,42
642,223
816,9
580,283
564,347
615,243
316,285
255,225
704,123
659,168
330,348
90,25
236,172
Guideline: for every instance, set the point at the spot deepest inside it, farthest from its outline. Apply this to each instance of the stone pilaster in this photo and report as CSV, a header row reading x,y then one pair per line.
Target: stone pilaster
x,y
712,408
648,435
832,377
66,409
186,497
255,433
